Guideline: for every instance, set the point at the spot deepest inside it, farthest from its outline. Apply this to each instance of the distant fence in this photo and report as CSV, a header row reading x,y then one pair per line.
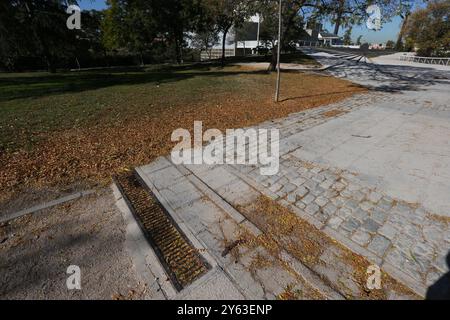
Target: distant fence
x,y
428,60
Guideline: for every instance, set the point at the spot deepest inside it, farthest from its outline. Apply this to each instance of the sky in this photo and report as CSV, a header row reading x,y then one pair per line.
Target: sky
x,y
389,31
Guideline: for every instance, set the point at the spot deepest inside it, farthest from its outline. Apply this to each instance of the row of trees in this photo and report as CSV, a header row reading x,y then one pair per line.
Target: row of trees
x,y
428,30
157,30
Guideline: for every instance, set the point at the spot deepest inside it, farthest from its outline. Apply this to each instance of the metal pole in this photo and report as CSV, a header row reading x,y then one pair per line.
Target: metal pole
x,y
259,28
277,92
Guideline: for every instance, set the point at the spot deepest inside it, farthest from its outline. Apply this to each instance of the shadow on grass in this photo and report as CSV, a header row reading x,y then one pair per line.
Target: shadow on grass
x,y
355,90
44,84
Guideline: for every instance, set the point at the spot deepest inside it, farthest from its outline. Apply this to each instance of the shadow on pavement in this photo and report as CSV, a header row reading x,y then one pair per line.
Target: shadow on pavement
x,y
440,290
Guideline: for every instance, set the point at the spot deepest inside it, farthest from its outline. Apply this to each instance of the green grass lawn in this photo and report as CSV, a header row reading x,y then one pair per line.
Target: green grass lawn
x,y
32,104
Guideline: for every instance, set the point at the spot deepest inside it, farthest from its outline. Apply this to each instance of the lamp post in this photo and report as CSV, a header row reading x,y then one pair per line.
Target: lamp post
x,y
277,90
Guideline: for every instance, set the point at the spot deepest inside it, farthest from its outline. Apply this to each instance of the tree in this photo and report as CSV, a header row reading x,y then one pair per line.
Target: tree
x,y
205,40
348,36
228,13
390,44
429,29
358,41
130,25
36,28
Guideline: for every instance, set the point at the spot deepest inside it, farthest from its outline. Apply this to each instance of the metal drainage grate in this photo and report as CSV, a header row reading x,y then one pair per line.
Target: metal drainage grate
x,y
181,260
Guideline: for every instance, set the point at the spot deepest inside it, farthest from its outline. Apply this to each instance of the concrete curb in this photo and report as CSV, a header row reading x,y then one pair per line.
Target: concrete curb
x,y
45,205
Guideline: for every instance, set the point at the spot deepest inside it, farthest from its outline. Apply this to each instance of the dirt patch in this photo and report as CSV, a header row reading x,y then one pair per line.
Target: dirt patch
x,y
37,249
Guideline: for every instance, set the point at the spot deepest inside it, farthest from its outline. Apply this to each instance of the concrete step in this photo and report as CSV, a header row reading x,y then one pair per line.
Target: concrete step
x,y
217,228
213,206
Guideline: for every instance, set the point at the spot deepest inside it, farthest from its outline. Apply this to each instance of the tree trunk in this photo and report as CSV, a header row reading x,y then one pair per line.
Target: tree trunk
x,y
337,25
339,17
274,60
51,67
177,51
399,43
224,41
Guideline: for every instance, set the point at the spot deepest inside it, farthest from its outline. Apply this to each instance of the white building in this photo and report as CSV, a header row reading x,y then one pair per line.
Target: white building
x,y
235,46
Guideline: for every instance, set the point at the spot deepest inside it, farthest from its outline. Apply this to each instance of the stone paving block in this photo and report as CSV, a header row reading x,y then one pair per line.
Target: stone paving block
x,y
366,205
316,170
360,214
338,201
402,209
404,241
330,194
156,165
181,194
370,225
238,193
432,234
321,201
317,191
388,231
361,237
344,213
318,178
300,205
346,193
251,288
413,231
165,177
379,245
218,177
310,184
289,187
330,209
358,196
309,198
396,257
326,184
298,181
276,187
291,197
312,209
301,192
338,186
375,197
379,215
334,222
351,224
352,204
385,204
413,268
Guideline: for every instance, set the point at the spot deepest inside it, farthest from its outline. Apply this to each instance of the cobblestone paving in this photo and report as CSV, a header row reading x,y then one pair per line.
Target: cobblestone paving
x,y
404,235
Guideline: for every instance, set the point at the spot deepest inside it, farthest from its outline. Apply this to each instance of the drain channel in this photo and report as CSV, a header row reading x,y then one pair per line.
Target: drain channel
x,y
180,259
